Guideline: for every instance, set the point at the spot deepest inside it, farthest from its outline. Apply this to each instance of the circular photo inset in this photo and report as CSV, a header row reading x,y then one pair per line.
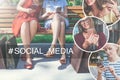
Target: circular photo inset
x,y
105,64
107,10
90,34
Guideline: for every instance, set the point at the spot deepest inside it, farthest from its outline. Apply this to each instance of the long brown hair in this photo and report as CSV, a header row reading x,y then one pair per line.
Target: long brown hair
x,y
91,23
99,4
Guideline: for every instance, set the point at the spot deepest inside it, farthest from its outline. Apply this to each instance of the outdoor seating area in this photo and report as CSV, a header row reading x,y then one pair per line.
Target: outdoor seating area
x,y
7,14
13,66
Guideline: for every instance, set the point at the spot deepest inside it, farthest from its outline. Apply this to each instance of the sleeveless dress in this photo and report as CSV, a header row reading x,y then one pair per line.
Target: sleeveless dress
x,y
25,17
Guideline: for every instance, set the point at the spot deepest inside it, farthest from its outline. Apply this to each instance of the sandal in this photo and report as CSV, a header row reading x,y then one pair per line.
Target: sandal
x,y
50,53
63,59
28,66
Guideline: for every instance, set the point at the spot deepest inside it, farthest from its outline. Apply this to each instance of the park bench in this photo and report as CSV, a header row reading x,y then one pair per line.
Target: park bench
x,y
7,14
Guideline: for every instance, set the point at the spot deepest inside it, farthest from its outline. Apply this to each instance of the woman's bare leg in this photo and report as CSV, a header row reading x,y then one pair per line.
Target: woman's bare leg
x,y
56,27
33,28
25,35
61,39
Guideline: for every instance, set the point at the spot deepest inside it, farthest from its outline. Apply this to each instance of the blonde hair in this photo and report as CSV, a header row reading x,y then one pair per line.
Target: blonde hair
x,y
115,45
91,23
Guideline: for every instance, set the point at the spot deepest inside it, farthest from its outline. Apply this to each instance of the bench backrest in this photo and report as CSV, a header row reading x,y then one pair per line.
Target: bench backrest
x,y
7,14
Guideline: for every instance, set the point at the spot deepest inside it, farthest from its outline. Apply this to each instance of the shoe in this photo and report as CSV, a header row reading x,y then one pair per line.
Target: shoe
x,y
28,66
50,53
23,57
63,59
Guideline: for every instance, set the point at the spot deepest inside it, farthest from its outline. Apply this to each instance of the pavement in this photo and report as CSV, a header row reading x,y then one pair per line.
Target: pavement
x,y
44,69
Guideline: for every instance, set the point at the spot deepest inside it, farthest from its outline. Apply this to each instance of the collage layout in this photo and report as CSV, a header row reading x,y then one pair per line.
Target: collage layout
x,y
98,33
95,35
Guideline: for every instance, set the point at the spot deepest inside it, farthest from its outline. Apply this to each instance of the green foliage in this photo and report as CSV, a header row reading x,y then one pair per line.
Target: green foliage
x,y
46,39
78,2
15,1
70,4
74,2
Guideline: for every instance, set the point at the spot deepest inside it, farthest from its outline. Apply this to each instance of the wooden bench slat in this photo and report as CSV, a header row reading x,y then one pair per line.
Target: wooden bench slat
x,y
81,15
5,25
6,20
8,8
6,30
74,11
7,11
7,15
74,7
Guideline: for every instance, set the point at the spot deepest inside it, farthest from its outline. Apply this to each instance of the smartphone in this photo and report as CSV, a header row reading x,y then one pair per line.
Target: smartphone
x,y
33,6
100,64
58,9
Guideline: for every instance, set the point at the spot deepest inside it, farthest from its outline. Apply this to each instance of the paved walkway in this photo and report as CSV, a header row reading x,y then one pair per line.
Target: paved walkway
x,y
44,69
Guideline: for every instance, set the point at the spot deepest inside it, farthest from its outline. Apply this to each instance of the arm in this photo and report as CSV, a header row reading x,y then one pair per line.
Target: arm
x,y
99,77
20,8
117,77
65,12
88,41
112,70
100,71
115,9
95,39
44,14
85,44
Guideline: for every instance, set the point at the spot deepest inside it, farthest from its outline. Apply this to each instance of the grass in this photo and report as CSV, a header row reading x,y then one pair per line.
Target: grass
x,y
46,39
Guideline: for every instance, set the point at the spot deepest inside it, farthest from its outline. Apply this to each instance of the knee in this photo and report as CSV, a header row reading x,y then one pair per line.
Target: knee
x,y
33,22
56,16
63,23
24,27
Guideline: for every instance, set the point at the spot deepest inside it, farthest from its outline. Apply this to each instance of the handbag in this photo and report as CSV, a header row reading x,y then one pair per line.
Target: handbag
x,y
11,58
2,51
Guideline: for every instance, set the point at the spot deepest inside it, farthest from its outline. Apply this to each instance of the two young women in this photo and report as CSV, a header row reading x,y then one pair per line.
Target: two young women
x,y
26,24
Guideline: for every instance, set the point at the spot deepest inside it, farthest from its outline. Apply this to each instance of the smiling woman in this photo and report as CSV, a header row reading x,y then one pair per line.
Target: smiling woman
x,y
107,10
89,39
110,69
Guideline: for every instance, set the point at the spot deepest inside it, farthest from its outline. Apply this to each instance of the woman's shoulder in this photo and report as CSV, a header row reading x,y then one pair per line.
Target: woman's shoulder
x,y
79,35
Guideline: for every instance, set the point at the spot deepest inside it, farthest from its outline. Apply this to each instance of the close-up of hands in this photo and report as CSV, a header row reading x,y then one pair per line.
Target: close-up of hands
x,y
29,10
93,39
112,70
114,7
102,68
